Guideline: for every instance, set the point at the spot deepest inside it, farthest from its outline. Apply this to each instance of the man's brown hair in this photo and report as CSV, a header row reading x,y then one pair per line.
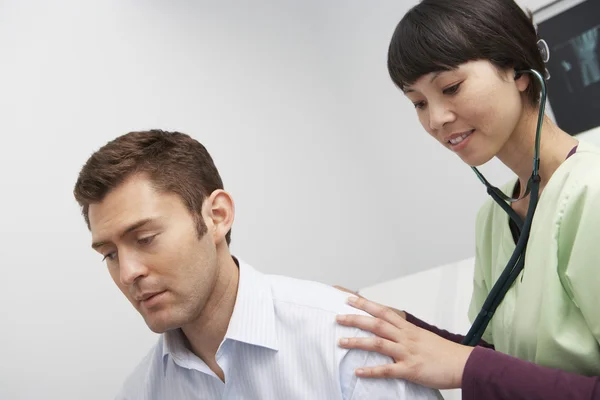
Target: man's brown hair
x,y
173,161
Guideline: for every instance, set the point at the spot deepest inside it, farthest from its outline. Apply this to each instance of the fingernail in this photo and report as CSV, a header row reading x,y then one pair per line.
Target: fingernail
x,y
343,341
360,371
341,318
352,300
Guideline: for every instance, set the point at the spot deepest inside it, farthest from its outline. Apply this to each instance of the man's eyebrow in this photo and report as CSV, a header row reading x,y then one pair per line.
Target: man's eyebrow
x,y
130,228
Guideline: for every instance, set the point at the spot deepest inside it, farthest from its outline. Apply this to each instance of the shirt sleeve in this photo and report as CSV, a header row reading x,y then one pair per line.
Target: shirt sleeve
x,y
492,375
579,249
357,388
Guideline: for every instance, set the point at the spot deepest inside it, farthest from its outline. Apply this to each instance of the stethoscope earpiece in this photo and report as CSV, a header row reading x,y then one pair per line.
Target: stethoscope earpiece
x,y
545,53
544,50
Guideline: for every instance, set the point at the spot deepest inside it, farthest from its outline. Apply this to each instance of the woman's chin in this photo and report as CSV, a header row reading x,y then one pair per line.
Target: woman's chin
x,y
476,159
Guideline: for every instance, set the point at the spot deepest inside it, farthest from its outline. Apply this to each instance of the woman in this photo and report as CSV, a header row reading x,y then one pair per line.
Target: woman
x,y
456,61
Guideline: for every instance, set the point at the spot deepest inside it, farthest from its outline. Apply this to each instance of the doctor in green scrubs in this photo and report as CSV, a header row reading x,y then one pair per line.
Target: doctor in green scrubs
x,y
456,62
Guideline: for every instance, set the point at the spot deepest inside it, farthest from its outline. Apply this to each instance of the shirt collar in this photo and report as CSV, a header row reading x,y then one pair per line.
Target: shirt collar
x,y
173,344
252,321
253,318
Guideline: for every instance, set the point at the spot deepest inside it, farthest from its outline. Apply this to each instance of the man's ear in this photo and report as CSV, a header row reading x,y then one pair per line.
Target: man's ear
x,y
221,212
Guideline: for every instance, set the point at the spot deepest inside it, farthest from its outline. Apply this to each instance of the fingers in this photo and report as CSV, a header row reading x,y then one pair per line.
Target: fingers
x,y
382,371
377,310
373,344
376,326
343,289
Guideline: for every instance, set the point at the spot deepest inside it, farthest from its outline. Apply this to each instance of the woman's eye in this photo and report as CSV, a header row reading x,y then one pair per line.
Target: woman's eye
x,y
452,89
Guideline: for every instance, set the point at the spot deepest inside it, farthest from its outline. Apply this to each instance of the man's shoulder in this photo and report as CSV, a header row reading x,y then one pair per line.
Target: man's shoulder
x,y
309,295
136,382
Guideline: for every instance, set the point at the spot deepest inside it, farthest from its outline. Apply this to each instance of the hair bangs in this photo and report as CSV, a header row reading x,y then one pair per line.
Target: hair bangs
x,y
425,41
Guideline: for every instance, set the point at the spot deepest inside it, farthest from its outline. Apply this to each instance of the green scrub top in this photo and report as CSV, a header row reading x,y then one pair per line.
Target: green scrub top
x,y
551,314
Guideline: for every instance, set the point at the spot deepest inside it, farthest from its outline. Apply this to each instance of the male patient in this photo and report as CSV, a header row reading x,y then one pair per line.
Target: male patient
x,y
158,214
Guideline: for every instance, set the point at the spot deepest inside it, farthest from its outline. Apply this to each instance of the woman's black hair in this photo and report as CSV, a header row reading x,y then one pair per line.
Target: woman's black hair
x,y
438,35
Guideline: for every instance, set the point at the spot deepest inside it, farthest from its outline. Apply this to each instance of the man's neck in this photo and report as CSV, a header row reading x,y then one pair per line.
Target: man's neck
x,y
206,334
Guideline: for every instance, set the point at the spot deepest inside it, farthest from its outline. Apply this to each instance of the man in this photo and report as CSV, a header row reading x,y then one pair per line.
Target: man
x,y
155,205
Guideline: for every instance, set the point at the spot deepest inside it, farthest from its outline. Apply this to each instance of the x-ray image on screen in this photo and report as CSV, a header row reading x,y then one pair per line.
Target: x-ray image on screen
x,y
573,38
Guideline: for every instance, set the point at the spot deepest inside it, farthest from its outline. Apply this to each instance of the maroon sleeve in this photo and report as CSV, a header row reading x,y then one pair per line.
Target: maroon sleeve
x,y
440,332
492,375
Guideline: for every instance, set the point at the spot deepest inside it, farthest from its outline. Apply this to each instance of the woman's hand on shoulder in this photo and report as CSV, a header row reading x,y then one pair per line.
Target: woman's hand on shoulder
x,y
419,356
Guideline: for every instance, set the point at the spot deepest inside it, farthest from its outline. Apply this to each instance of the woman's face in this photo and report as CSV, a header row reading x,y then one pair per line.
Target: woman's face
x,y
472,110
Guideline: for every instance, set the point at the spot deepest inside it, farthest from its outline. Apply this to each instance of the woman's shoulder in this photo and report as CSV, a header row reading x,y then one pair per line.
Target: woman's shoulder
x,y
577,226
579,175
587,155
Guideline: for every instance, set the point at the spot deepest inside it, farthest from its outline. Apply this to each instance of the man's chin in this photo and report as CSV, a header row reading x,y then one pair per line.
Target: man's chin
x,y
157,329
159,326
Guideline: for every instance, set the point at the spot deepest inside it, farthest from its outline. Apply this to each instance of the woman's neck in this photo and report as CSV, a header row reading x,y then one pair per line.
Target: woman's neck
x,y
518,152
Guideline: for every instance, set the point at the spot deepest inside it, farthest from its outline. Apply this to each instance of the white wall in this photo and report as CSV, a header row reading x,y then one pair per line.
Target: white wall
x,y
333,177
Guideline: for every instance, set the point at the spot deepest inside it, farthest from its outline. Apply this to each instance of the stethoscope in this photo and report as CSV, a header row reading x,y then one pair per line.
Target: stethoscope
x,y
517,260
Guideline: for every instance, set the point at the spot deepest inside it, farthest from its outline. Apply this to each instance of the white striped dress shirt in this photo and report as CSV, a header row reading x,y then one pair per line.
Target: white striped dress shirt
x,y
281,343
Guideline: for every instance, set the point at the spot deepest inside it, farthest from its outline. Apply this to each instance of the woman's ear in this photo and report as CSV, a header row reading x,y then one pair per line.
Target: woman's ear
x,y
522,80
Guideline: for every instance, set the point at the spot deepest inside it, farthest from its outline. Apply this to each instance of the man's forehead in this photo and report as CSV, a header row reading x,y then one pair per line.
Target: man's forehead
x,y
101,237
128,201
113,216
